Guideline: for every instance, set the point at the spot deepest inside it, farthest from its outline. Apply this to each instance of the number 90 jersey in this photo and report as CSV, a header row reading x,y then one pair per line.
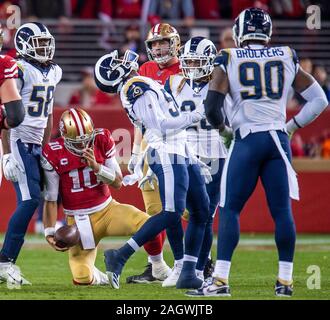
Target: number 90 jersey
x,y
202,139
80,190
37,86
259,82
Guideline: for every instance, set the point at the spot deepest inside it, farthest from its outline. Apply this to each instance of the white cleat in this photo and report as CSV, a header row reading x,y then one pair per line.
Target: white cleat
x,y
160,270
172,279
100,278
11,274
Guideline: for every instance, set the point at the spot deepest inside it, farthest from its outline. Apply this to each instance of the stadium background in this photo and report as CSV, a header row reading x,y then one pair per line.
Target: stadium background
x,y
84,31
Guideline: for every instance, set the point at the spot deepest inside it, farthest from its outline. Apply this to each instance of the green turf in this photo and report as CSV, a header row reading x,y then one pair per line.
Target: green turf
x,y
253,274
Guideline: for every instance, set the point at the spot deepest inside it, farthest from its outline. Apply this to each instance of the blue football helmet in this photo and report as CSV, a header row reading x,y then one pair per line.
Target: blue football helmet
x,y
196,58
111,72
252,24
34,41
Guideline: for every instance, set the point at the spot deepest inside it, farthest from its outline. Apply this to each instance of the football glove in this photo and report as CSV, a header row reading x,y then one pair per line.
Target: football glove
x,y
227,135
149,177
11,168
205,171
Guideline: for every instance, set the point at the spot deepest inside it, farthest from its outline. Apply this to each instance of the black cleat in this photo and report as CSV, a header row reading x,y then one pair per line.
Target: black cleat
x,y
208,269
145,277
282,290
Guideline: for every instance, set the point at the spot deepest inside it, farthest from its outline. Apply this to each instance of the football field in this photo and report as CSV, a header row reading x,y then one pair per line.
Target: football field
x,y
254,270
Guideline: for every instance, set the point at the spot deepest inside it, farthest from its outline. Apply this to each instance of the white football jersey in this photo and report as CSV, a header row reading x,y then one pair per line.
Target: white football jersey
x,y
260,79
202,139
36,86
136,96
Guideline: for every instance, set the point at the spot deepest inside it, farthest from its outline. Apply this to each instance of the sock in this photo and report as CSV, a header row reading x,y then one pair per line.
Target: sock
x,y
154,225
4,259
200,274
228,233
127,250
285,272
157,258
17,227
178,263
175,238
154,246
189,264
221,270
205,252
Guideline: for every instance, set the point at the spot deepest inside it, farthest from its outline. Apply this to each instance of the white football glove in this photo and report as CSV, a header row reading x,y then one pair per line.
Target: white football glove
x,y
134,158
205,172
132,162
148,177
11,168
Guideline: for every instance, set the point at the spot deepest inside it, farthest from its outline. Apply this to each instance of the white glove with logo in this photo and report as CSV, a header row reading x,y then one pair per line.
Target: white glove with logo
x,y
205,171
134,158
11,168
150,176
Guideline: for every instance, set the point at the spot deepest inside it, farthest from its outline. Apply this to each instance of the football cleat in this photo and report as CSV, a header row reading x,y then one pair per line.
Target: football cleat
x,y
100,278
145,277
172,279
11,274
160,270
282,290
215,289
113,267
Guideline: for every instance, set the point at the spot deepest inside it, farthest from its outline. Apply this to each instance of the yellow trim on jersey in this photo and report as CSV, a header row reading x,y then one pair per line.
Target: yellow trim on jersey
x,y
228,51
130,82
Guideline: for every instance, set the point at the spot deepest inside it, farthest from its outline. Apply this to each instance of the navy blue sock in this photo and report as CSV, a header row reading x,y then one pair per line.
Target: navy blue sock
x,y
206,245
175,238
188,267
154,225
228,233
125,252
17,227
285,235
194,235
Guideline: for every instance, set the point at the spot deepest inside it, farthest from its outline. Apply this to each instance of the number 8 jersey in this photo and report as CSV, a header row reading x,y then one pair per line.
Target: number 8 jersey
x,y
260,79
36,85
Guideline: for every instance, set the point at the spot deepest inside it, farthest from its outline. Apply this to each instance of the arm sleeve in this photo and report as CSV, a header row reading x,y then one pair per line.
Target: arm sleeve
x,y
52,181
316,103
149,112
113,164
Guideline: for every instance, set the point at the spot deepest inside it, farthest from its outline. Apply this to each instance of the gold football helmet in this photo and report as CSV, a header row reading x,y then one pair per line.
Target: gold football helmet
x,y
77,129
163,31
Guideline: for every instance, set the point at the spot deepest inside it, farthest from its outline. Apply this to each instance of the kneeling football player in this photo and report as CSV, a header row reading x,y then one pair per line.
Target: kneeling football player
x,y
81,165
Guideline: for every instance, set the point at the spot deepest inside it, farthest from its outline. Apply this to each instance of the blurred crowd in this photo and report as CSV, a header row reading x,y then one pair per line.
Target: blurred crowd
x,y
156,10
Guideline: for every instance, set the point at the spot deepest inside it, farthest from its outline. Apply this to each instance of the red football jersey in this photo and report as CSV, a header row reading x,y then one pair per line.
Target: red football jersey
x,y
151,70
79,187
8,68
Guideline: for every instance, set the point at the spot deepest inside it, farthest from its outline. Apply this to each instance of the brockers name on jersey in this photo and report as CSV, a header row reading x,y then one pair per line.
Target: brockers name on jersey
x,y
79,186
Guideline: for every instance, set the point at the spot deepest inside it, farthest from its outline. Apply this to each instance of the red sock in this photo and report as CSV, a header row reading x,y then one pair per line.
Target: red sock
x,y
154,246
163,235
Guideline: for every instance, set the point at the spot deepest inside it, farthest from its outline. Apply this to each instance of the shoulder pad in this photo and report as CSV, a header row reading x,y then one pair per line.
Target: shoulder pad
x,y
294,56
222,59
135,88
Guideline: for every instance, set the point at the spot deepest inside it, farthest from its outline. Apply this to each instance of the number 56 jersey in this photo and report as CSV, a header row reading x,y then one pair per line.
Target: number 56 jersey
x,y
36,85
259,82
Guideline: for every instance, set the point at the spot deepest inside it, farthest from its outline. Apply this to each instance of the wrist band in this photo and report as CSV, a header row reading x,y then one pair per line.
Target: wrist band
x,y
49,232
